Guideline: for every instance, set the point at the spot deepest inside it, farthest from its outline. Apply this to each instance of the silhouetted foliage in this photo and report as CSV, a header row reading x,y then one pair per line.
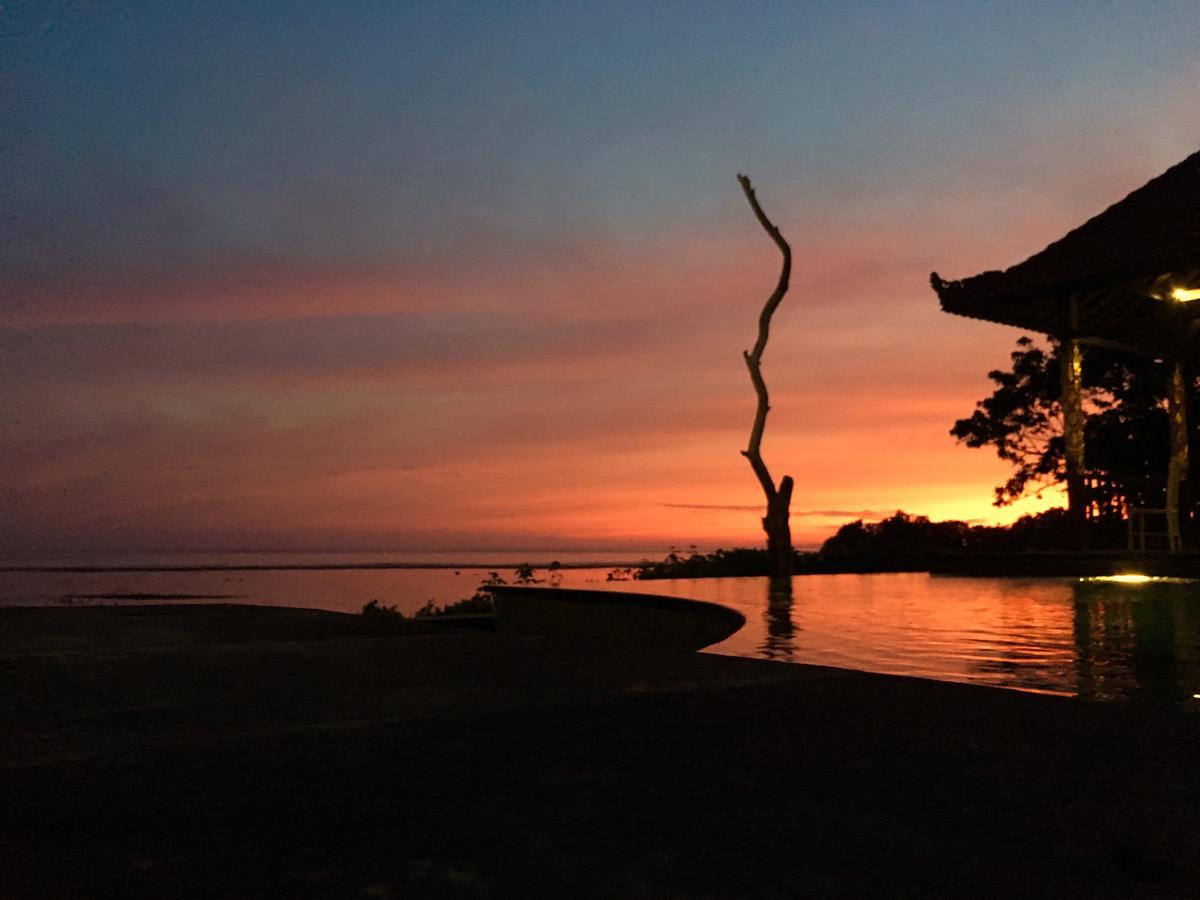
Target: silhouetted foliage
x,y
899,543
903,542
1022,419
373,609
1052,529
1126,434
741,561
480,604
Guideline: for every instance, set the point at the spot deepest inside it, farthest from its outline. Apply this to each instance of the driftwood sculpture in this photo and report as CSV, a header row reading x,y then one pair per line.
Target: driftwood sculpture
x,y
776,523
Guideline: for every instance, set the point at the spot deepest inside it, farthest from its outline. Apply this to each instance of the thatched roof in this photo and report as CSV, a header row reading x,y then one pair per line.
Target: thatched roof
x,y
1120,266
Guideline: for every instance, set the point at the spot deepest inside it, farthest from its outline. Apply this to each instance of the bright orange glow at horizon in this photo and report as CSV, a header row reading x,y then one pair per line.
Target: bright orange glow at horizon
x,y
605,429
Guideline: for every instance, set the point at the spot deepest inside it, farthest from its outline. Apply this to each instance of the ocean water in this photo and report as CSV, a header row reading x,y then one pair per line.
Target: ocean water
x,y
503,559
342,582
1102,640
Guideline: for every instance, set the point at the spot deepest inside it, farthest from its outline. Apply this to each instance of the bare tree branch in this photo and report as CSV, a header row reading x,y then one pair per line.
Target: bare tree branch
x,y
754,357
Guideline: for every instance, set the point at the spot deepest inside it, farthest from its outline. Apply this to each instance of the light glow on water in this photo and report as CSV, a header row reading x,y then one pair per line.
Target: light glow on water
x,y
1136,578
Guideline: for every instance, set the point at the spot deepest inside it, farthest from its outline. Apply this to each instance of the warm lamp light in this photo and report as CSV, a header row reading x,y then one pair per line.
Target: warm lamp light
x,y
1138,578
1183,295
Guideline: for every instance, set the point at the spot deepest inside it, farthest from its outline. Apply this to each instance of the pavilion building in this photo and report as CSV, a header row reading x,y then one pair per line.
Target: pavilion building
x,y
1128,279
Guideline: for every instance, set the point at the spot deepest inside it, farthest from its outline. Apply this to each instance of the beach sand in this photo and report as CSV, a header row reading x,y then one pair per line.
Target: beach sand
x,y
167,751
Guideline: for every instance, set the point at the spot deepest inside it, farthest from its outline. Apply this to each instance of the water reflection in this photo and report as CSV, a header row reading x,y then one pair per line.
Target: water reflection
x,y
1101,640
1105,640
780,629
1137,642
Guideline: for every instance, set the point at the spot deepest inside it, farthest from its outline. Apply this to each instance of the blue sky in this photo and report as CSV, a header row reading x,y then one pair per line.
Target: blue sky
x,y
359,131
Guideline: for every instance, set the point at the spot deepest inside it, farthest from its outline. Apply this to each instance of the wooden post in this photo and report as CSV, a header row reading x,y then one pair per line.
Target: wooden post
x,y
1177,469
1071,363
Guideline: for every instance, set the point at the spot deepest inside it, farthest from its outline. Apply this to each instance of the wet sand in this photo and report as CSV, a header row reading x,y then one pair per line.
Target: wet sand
x,y
168,751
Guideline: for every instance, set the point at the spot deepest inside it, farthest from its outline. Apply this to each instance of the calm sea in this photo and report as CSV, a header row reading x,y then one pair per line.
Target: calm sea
x,y
343,582
1064,636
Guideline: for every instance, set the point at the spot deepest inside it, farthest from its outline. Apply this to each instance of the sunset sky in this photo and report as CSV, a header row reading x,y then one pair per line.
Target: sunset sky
x,y
479,275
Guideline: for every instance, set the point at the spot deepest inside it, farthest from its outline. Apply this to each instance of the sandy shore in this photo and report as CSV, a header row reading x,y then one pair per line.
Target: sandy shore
x,y
251,751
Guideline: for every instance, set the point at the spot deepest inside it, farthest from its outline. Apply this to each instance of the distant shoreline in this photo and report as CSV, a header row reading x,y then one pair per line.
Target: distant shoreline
x,y
268,567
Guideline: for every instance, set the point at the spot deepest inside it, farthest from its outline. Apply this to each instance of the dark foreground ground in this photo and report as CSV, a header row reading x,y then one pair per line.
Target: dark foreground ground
x,y
246,752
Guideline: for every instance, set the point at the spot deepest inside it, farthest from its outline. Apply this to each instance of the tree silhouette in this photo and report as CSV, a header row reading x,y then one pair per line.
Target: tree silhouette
x,y
776,522
1127,439
1022,420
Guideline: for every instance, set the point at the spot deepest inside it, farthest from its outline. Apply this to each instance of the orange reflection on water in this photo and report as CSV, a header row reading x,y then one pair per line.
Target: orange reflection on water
x,y
1058,636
